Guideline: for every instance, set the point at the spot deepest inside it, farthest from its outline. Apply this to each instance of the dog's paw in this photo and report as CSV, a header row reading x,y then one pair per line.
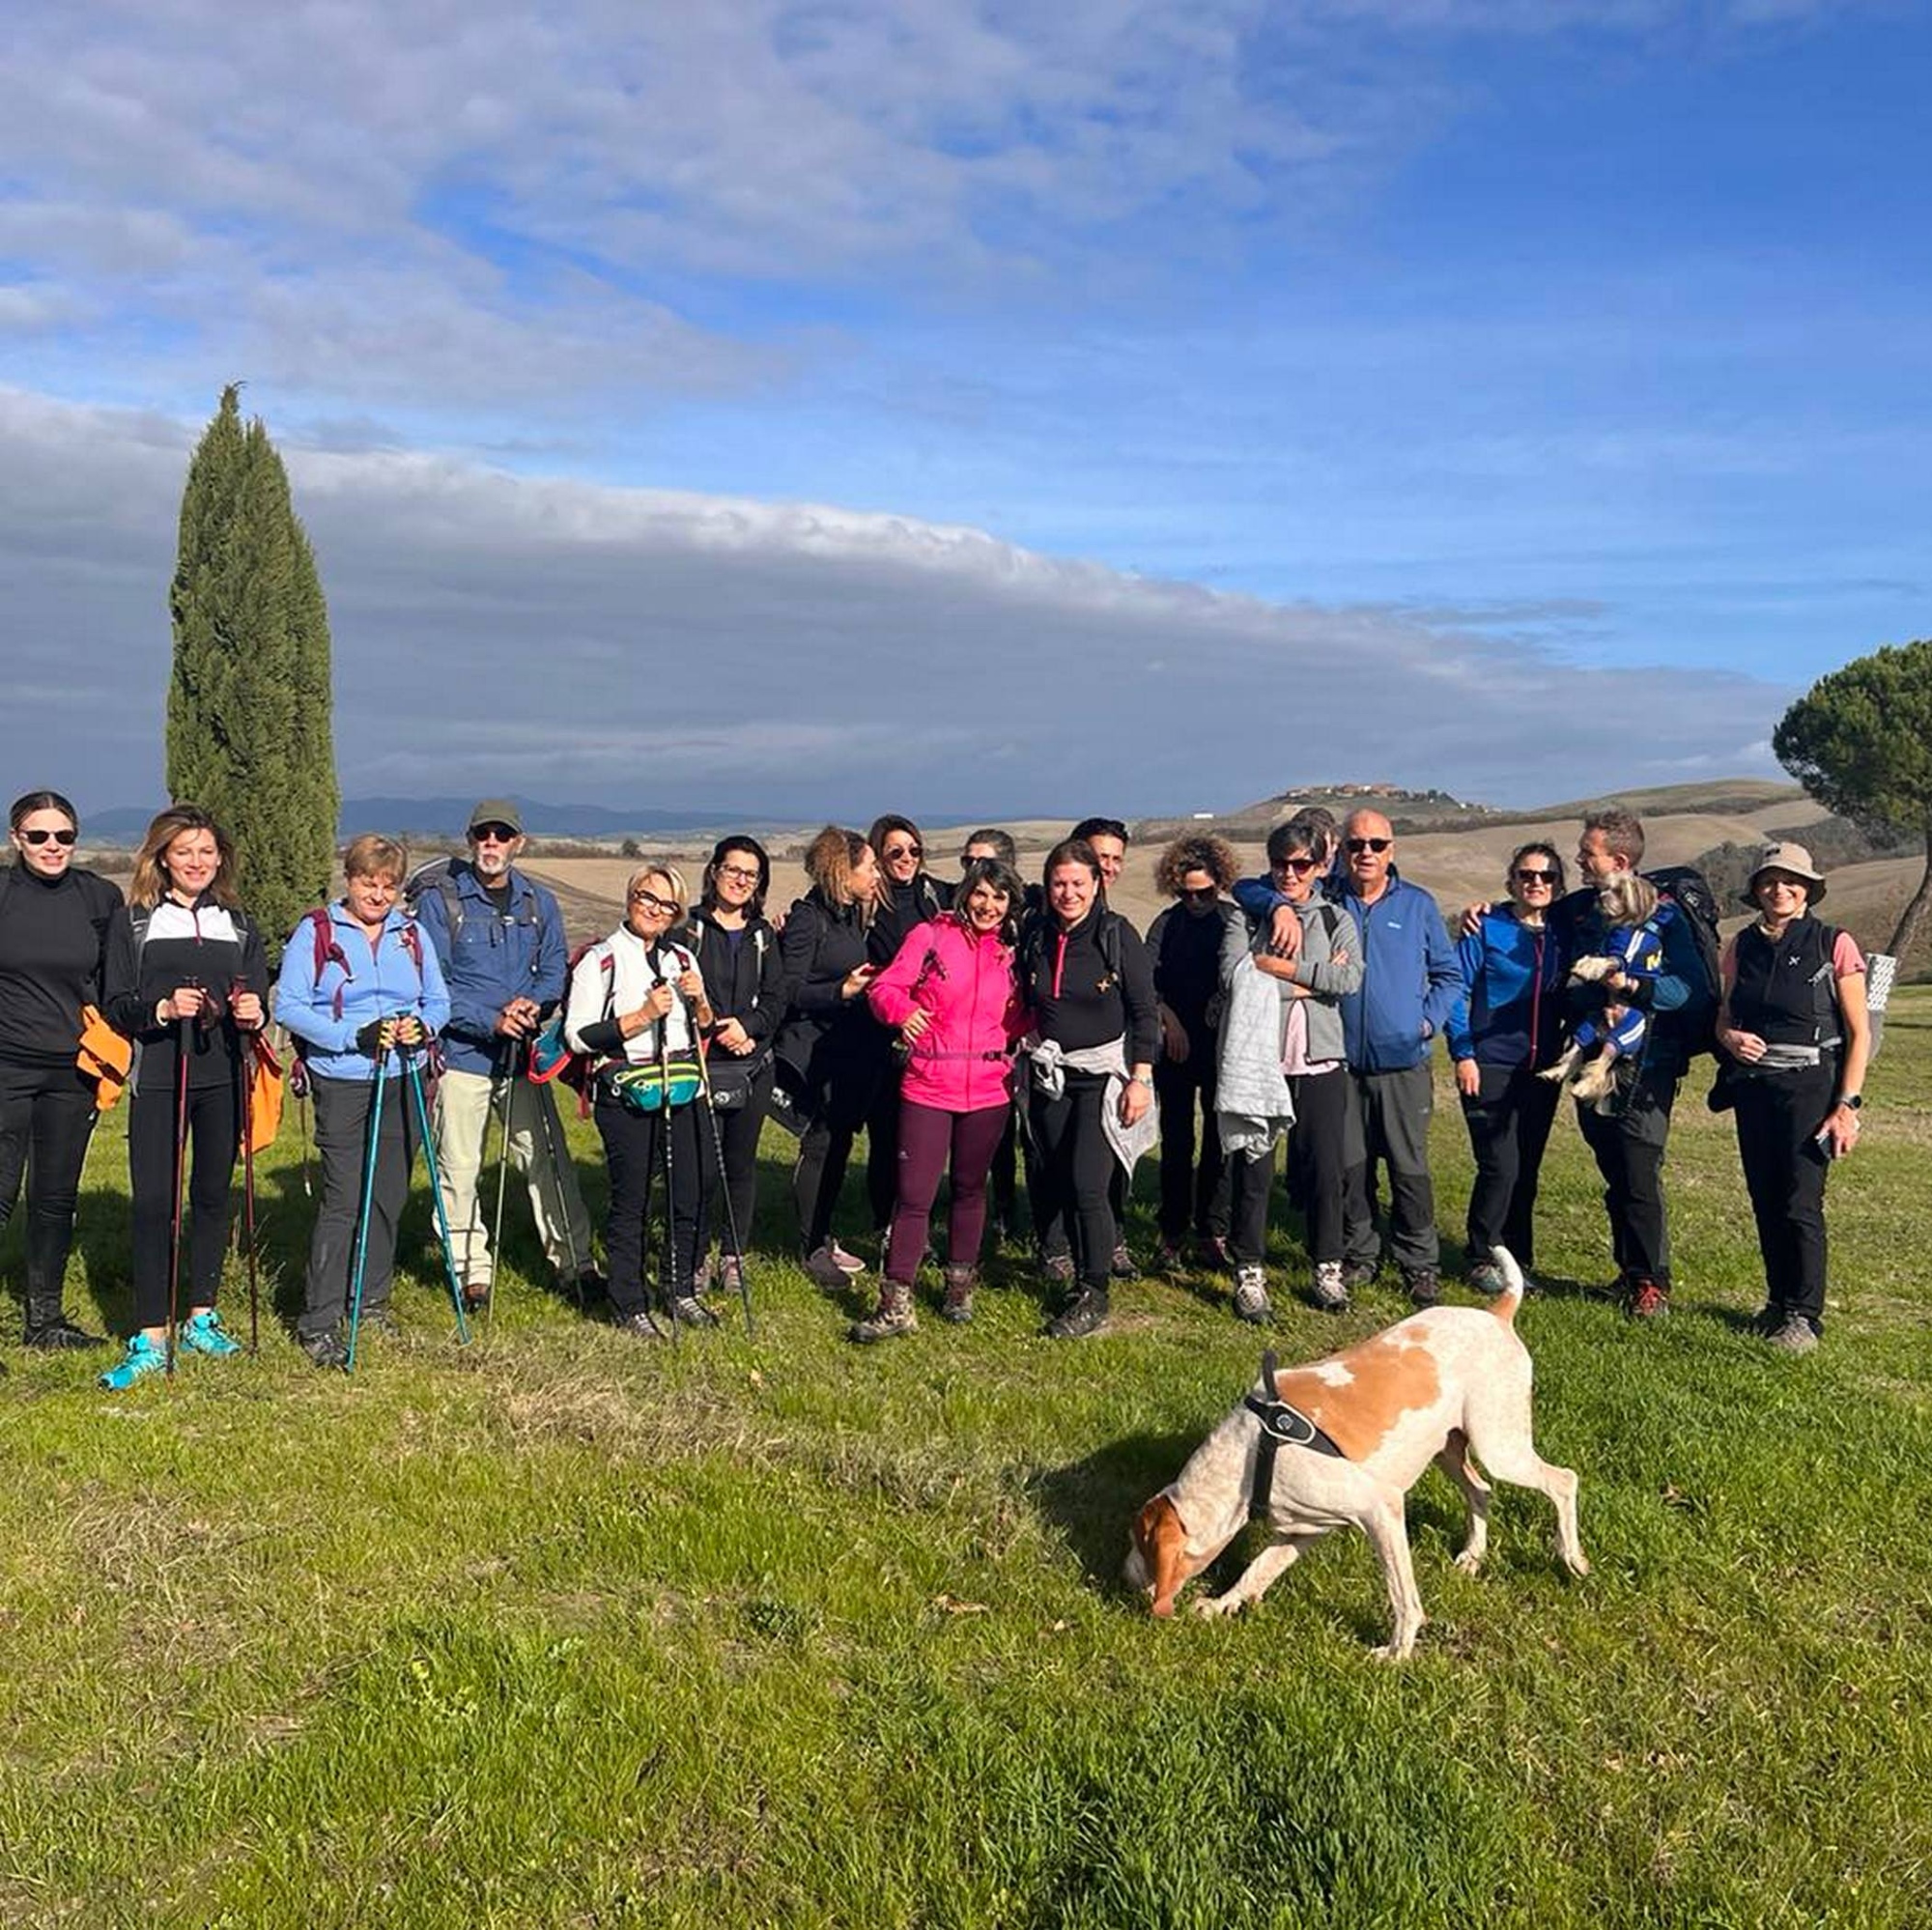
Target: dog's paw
x,y
1211,1608
1470,1560
1578,1563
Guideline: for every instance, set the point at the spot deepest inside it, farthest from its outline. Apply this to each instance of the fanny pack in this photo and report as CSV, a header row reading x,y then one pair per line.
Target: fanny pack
x,y
654,1088
732,1079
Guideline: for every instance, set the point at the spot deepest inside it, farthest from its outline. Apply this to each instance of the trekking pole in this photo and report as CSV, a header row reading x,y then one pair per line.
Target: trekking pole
x,y
724,1188
557,1151
502,1179
248,1197
183,1030
362,1255
412,1072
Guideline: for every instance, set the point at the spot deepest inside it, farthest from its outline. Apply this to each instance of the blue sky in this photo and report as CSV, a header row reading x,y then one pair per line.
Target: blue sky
x,y
1465,368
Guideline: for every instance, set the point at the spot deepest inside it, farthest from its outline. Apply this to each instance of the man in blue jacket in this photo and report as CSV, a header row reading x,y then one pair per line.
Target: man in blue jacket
x,y
500,939
1409,983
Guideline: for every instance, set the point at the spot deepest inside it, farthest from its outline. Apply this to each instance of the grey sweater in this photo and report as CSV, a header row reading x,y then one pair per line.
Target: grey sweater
x,y
1330,966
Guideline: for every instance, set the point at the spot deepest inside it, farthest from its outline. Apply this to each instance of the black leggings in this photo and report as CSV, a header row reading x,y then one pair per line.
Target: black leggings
x,y
1076,1169
1509,1123
46,1121
634,1148
738,1133
213,1139
1777,1113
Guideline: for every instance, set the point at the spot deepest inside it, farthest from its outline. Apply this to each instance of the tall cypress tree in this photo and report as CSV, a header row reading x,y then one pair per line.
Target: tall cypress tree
x,y
249,734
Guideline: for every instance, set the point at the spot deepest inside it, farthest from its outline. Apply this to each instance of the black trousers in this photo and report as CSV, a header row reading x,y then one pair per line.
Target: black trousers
x,y
738,1132
1395,1110
1076,1166
1005,1176
1628,1150
634,1149
342,1139
1192,1197
47,1118
213,1139
1776,1115
1317,1161
1509,1122
882,1145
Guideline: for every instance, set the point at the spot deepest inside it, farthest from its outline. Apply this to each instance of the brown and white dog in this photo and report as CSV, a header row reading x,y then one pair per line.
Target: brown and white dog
x,y
1438,1386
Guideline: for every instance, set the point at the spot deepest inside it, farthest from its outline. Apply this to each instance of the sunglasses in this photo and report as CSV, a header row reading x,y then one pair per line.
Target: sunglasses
x,y
1206,894
494,833
1526,876
1300,866
38,836
652,902
904,851
1358,845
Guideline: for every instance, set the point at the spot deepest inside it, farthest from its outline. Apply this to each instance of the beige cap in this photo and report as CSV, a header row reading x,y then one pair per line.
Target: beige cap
x,y
1784,856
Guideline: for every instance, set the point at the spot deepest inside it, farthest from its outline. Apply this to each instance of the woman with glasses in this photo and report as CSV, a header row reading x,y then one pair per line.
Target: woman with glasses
x,y
53,926
636,1002
186,979
737,951
832,1054
909,896
1184,943
1505,1028
1312,977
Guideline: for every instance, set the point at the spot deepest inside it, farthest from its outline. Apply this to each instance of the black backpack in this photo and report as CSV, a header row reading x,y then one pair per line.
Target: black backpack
x,y
1033,945
1687,888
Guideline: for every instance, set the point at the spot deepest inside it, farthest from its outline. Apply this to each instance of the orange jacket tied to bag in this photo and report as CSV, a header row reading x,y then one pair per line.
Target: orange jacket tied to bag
x,y
105,1056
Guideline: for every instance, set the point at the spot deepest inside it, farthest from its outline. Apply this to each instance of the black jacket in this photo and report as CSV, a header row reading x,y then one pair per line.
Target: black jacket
x,y
1090,984
918,901
746,981
53,942
828,1041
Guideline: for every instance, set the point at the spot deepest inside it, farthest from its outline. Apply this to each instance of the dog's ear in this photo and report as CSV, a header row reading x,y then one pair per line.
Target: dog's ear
x,y
1162,1541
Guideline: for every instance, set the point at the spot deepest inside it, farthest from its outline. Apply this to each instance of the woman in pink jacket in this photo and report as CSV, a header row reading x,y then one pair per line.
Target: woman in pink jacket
x,y
950,995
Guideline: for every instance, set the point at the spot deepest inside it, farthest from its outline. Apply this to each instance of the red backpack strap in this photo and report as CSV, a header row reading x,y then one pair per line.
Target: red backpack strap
x,y
328,952
411,936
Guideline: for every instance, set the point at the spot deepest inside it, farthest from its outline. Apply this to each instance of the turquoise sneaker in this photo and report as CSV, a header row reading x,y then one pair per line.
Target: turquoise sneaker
x,y
205,1334
143,1357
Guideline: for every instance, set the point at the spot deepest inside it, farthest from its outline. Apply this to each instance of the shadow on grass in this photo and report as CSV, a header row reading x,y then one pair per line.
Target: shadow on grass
x,y
1092,1502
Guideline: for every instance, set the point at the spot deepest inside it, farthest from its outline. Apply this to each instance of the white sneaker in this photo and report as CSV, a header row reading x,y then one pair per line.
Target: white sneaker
x,y
1251,1296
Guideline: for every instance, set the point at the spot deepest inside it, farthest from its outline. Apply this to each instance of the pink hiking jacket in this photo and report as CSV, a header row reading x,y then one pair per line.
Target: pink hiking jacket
x,y
966,984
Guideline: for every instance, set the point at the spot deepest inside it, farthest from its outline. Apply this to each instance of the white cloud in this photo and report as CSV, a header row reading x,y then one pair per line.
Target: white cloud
x,y
656,648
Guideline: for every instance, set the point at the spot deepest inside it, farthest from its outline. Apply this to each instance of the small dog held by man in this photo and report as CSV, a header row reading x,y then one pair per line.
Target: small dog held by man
x,y
1633,947
1341,1441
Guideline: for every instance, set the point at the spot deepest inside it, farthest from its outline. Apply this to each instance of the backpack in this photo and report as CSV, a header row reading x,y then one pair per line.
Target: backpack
x,y
1687,888
438,875
328,951
1032,943
551,1057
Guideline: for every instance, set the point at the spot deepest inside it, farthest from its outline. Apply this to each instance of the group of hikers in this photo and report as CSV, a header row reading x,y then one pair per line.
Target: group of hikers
x,y
972,1028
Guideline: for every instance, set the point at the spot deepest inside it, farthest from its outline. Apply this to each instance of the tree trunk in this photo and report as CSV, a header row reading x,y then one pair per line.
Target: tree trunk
x,y
1915,912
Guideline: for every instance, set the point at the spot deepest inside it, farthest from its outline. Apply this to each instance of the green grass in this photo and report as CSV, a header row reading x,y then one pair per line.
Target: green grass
x,y
560,1630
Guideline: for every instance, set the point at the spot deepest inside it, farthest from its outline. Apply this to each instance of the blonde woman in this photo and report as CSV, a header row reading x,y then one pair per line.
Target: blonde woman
x,y
186,980
635,1007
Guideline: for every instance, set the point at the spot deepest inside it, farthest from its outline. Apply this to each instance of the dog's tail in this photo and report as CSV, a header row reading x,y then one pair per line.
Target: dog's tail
x,y
1505,1304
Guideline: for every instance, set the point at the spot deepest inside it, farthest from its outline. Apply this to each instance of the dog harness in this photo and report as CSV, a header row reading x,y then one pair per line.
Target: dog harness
x,y
1282,1426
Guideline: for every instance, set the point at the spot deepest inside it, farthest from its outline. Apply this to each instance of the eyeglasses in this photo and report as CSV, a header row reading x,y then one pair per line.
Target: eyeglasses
x,y
1300,866
1204,895
650,901
894,851
1358,845
745,874
494,833
39,837
1528,877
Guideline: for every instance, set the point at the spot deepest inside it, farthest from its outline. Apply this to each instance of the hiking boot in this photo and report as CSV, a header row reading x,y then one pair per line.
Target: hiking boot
x,y
1058,1268
1797,1335
1767,1321
701,1277
476,1295
1424,1283
1123,1265
1648,1301
822,1267
1086,1315
591,1286
730,1275
1329,1291
1359,1273
324,1350
846,1263
58,1335
1168,1257
204,1333
892,1317
958,1306
379,1320
143,1357
639,1326
689,1310
1210,1253
1251,1296
1487,1280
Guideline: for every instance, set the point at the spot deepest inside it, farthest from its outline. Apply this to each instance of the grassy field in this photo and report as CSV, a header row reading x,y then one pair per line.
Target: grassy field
x,y
557,1630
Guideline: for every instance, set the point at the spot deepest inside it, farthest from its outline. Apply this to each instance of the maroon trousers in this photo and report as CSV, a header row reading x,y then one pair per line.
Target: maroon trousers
x,y
927,1139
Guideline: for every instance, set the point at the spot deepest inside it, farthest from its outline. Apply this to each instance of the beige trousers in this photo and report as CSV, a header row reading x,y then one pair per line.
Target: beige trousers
x,y
464,1104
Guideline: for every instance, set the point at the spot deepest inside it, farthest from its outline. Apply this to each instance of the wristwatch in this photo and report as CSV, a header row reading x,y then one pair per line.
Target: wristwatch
x,y
1852,1101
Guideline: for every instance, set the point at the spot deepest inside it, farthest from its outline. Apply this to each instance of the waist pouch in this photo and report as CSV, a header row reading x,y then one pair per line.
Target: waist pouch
x,y
732,1079
656,1088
